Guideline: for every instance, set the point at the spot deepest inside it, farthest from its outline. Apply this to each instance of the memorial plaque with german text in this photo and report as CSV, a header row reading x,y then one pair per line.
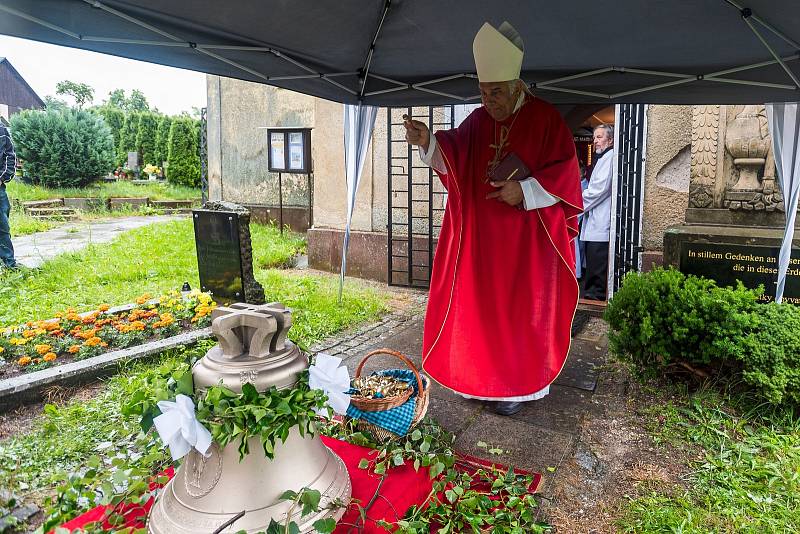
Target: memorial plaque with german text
x,y
219,260
752,264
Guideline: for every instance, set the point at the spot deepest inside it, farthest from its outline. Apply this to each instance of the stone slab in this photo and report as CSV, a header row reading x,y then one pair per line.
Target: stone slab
x,y
454,417
131,202
580,369
26,387
84,203
524,446
561,410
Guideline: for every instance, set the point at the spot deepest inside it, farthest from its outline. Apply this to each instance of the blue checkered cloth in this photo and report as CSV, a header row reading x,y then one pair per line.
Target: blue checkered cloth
x,y
397,420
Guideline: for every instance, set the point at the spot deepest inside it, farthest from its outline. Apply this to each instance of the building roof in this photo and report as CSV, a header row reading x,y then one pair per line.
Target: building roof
x,y
4,61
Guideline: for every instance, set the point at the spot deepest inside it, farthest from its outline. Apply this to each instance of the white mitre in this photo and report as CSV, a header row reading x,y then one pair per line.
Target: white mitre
x,y
498,53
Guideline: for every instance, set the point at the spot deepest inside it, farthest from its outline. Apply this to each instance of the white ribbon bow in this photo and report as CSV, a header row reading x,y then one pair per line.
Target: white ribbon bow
x,y
179,428
327,376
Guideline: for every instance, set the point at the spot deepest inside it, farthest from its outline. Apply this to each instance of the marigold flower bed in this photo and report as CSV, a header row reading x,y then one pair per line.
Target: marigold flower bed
x,y
73,336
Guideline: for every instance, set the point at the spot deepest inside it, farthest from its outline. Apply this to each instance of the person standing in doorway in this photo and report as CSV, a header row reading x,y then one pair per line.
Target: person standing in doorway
x,y
8,163
597,215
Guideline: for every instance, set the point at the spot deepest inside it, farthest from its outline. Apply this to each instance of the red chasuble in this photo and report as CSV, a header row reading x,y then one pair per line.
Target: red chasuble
x,y
503,289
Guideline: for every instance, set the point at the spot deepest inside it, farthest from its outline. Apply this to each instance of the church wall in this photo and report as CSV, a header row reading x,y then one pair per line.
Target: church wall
x,y
669,137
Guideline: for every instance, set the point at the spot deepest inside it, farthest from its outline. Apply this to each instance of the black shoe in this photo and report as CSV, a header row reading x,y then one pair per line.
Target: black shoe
x,y
507,408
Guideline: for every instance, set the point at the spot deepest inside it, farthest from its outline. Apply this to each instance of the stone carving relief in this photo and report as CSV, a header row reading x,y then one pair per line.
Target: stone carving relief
x,y
752,180
705,138
732,166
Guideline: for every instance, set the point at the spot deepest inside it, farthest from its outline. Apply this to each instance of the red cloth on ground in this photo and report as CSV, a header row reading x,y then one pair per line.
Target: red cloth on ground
x,y
503,291
403,488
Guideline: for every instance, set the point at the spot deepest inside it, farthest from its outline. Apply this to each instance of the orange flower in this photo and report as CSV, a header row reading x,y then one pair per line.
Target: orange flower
x,y
50,356
95,342
28,334
74,349
144,298
25,360
42,349
72,316
104,307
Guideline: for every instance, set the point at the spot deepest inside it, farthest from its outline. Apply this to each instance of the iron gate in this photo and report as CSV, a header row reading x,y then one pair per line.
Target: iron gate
x,y
416,199
626,240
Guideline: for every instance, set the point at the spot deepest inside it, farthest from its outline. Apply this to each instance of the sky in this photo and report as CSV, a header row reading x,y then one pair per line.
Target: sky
x,y
43,65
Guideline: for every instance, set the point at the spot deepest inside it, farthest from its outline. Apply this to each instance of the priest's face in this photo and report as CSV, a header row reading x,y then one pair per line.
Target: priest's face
x,y
499,98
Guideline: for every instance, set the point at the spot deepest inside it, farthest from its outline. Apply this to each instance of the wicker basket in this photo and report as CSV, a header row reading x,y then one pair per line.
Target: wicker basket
x,y
369,404
420,410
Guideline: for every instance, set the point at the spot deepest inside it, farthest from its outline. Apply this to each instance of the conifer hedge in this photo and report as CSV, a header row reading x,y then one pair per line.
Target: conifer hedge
x,y
183,158
63,148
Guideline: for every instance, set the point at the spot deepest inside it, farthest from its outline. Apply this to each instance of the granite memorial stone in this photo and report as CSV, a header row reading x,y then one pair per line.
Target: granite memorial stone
x,y
225,253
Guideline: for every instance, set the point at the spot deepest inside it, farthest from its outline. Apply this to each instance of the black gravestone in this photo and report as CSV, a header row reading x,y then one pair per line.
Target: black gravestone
x,y
752,264
224,253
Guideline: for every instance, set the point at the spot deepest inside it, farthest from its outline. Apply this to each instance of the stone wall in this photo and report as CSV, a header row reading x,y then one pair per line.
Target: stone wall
x,y
237,142
669,136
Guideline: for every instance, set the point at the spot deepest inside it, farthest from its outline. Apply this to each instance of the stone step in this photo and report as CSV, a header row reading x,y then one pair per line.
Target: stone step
x,y
48,203
176,211
59,218
50,211
172,204
132,202
84,203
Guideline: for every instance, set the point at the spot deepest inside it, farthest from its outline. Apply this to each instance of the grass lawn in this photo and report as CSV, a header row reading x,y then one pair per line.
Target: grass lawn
x,y
23,192
744,471
162,256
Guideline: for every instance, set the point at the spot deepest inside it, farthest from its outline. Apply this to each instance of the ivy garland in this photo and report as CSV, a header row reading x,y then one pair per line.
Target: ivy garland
x,y
268,415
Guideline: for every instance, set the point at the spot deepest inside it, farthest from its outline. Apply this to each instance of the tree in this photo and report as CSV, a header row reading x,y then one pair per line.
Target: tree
x,y
162,139
127,137
80,92
137,102
51,102
146,138
67,148
115,119
183,159
116,98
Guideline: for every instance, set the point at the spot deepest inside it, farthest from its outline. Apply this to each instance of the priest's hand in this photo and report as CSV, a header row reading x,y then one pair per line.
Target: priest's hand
x,y
509,192
417,133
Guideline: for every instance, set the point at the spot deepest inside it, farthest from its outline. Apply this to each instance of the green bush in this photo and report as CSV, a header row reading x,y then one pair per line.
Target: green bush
x,y
162,139
768,347
664,318
146,139
127,137
67,148
183,158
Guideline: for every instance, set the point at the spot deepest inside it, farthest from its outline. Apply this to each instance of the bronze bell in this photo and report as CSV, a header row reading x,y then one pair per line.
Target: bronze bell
x,y
207,492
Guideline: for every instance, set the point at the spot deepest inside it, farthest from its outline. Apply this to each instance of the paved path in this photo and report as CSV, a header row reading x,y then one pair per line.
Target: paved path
x,y
35,249
541,437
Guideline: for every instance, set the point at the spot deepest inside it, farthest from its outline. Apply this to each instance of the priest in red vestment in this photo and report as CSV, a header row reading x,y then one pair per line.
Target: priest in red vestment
x,y
503,291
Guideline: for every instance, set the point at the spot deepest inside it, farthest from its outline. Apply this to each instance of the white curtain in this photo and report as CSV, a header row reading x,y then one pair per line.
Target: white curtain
x,y
359,121
784,126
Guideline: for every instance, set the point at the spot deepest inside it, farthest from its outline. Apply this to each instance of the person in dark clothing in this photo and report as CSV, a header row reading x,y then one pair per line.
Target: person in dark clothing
x,y
8,163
